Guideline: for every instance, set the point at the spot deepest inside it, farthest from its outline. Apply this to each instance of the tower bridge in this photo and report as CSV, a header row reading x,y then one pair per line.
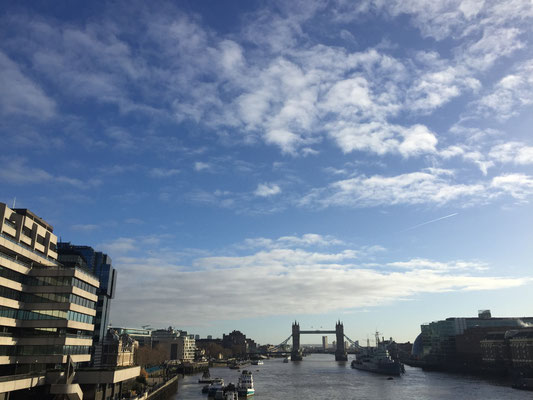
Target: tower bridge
x,y
340,351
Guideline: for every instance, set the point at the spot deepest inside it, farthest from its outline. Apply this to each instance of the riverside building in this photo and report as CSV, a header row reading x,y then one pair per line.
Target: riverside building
x,y
47,317
100,265
46,310
457,341
178,344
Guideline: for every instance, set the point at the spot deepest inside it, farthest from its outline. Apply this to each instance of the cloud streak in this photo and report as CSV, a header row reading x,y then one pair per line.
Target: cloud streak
x,y
430,222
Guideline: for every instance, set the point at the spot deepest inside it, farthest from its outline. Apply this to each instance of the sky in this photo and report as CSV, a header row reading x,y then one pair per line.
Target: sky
x,y
246,164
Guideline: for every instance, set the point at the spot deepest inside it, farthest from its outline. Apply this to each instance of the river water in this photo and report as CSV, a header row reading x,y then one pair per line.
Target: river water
x,y
319,376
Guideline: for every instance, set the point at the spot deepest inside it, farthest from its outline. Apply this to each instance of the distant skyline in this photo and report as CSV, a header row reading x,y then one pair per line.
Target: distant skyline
x,y
246,164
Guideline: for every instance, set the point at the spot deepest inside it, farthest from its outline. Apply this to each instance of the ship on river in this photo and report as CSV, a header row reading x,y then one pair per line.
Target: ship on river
x,y
378,360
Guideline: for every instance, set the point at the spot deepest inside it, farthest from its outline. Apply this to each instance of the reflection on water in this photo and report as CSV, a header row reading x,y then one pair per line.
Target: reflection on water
x,y
319,376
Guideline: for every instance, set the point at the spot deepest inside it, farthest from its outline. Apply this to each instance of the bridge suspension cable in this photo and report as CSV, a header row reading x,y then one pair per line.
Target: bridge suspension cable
x,y
354,344
282,344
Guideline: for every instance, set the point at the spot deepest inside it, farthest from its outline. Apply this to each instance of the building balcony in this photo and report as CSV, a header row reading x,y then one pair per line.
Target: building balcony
x,y
71,391
19,382
26,250
114,375
43,359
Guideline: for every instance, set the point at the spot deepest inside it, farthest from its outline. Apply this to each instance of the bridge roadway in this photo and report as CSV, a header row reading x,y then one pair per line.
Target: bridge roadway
x,y
312,332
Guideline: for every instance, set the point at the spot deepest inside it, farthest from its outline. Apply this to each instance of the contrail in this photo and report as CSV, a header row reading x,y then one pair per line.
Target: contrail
x,y
429,222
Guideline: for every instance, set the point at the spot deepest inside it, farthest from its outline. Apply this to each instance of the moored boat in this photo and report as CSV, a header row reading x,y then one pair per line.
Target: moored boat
x,y
378,360
213,388
245,387
206,378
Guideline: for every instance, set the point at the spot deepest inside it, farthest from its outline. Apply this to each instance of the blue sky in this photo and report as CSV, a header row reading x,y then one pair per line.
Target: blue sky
x,y
249,163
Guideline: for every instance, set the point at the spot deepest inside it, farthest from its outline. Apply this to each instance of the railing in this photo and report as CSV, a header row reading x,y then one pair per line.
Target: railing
x,y
60,267
30,249
20,376
24,264
46,336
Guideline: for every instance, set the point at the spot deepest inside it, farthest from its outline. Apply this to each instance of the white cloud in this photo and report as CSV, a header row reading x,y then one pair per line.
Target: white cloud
x,y
432,186
422,263
515,152
306,240
287,141
296,280
120,246
520,186
439,86
510,94
383,138
288,92
267,190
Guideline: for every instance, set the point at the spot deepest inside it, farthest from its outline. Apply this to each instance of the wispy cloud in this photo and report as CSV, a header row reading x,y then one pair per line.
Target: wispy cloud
x,y
163,172
201,166
85,227
20,95
306,240
17,171
432,186
509,95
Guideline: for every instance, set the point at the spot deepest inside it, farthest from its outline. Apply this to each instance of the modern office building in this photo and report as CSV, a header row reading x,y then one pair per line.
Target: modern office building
x,y
100,266
453,339
46,310
47,317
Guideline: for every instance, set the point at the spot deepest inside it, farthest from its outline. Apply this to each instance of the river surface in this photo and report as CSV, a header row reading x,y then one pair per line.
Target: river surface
x,y
319,376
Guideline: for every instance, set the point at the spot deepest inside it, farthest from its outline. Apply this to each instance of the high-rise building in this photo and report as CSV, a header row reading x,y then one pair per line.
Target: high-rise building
x,y
47,316
46,310
324,343
100,265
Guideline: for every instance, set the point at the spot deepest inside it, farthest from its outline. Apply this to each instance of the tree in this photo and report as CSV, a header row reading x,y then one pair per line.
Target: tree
x,y
146,355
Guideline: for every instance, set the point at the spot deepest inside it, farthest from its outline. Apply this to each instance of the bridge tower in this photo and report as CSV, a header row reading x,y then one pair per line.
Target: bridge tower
x,y
296,355
340,352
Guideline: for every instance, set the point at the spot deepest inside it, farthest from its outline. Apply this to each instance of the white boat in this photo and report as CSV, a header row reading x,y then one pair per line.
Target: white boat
x,y
257,362
245,387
